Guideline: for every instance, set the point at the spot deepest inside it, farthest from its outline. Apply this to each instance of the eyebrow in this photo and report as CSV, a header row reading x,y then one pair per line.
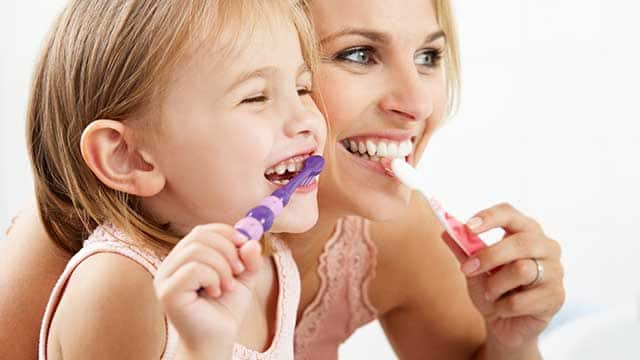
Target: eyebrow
x,y
375,36
263,73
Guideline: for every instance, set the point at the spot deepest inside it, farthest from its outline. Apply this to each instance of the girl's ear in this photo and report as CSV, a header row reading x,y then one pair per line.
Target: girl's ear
x,y
110,150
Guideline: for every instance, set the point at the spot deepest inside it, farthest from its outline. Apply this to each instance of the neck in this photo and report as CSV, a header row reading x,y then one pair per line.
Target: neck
x,y
306,247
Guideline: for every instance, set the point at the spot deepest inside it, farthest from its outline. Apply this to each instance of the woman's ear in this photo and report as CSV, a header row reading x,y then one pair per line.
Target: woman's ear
x,y
110,150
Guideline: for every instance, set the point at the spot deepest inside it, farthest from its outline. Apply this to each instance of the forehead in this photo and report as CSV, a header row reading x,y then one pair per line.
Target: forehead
x,y
390,16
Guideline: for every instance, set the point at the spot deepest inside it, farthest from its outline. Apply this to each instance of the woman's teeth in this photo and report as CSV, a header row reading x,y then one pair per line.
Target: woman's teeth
x,y
375,149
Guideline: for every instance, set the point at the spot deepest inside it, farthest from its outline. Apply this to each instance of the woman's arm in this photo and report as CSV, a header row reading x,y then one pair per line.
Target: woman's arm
x,y
437,313
30,264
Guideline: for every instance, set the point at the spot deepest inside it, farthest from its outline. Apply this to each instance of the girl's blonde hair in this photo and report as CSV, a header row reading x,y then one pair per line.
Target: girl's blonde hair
x,y
108,59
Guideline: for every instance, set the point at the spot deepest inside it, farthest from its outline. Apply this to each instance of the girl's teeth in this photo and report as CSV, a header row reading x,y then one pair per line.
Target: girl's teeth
x,y
291,167
405,148
280,169
270,171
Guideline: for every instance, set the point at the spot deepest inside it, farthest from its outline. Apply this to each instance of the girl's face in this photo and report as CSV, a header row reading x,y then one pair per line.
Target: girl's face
x,y
230,124
382,87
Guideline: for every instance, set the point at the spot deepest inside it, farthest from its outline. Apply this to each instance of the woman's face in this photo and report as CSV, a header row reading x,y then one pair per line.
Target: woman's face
x,y
382,87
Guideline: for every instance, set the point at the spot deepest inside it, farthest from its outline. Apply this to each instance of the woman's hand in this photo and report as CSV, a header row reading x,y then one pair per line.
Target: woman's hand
x,y
205,286
517,300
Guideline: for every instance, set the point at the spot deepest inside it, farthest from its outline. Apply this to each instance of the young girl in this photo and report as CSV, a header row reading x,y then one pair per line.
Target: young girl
x,y
152,118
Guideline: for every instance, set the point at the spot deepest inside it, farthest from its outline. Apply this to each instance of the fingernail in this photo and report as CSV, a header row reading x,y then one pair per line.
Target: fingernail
x,y
474,223
239,267
471,266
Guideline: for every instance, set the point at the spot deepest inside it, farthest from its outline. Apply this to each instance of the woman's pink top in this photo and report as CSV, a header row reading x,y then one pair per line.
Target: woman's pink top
x,y
107,238
342,305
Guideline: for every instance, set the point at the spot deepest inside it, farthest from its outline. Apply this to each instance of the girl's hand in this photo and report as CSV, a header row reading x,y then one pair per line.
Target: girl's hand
x,y
205,286
516,300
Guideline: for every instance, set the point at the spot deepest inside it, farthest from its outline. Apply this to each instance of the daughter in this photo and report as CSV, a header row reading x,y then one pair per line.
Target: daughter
x,y
147,119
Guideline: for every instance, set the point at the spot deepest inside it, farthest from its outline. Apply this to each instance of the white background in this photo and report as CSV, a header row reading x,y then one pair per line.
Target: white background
x,y
548,122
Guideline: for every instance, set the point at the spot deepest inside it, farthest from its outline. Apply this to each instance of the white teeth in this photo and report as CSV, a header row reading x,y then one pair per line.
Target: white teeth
x,y
392,150
280,169
362,148
405,148
371,148
281,182
382,149
270,171
374,148
298,166
353,146
291,168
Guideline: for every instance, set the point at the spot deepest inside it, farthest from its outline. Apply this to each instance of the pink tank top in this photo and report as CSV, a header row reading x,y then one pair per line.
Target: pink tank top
x,y
108,238
341,306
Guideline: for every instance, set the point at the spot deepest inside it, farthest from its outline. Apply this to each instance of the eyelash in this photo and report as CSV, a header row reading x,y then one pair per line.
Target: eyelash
x,y
342,56
262,98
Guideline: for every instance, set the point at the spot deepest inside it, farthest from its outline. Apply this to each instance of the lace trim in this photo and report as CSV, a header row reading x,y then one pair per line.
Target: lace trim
x,y
288,295
288,298
344,250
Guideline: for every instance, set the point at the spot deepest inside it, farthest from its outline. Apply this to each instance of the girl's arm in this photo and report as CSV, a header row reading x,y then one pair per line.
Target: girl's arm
x,y
30,265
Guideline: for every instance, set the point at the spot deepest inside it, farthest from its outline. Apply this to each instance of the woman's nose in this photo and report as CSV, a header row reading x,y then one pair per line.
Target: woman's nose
x,y
408,95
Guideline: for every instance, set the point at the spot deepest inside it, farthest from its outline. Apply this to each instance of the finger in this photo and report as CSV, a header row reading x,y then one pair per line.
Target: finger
x,y
512,248
511,276
503,216
198,252
208,232
251,255
183,285
541,302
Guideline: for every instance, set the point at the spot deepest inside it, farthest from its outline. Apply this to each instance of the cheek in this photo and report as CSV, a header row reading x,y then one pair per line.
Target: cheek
x,y
341,100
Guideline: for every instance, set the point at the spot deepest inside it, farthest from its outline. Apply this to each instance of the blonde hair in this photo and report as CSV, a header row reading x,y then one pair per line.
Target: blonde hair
x,y
107,59
446,20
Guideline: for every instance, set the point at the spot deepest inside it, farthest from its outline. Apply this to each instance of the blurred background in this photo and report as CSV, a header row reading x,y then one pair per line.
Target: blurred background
x,y
548,122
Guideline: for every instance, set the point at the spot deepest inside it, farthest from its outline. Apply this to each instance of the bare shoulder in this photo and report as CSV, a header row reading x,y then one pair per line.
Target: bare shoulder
x,y
422,292
108,311
30,264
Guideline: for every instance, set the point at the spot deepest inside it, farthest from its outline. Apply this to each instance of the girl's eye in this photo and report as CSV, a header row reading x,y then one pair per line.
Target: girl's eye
x,y
429,58
358,55
256,99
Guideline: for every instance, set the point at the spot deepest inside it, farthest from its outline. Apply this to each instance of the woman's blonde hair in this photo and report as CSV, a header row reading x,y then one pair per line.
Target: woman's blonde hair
x,y
108,59
445,18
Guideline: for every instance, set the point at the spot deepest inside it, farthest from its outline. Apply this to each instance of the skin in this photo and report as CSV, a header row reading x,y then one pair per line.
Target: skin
x,y
212,116
428,308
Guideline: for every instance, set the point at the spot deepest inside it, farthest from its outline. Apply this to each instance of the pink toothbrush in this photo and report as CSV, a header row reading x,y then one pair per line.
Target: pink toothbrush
x,y
468,241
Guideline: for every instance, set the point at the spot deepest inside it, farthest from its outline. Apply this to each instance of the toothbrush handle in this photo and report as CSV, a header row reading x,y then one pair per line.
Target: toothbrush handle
x,y
260,218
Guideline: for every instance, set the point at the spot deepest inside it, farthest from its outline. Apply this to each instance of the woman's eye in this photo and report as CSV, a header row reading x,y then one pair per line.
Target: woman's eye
x,y
255,99
304,91
359,55
430,58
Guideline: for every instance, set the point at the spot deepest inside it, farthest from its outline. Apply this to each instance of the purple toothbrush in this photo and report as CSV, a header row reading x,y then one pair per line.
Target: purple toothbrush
x,y
260,218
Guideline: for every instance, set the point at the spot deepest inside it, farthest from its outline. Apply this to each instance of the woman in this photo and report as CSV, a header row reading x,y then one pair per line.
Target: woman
x,y
382,83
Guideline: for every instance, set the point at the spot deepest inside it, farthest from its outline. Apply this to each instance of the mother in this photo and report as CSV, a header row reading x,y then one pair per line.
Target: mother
x,y
388,79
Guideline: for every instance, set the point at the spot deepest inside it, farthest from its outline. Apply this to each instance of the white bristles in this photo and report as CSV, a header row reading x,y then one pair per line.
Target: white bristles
x,y
409,176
